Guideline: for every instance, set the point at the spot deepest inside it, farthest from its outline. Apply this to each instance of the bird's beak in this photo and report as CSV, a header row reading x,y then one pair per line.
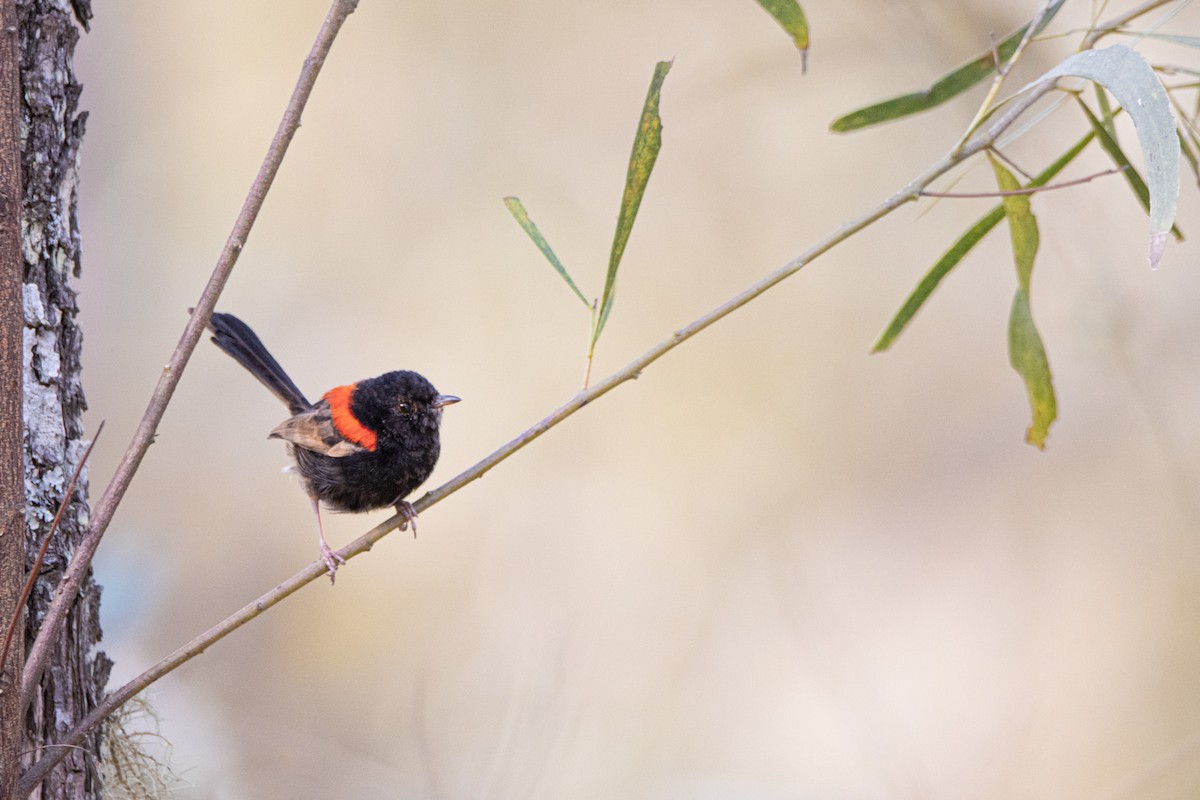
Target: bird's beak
x,y
445,400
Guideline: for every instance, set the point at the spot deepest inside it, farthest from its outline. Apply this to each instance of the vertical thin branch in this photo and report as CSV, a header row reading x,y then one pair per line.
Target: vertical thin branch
x,y
102,512
12,325
36,568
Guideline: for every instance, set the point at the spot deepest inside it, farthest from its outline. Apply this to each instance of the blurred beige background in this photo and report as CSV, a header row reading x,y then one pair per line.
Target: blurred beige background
x,y
774,566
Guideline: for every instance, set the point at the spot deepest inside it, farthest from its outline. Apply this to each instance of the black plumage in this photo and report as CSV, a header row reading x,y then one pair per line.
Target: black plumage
x,y
362,446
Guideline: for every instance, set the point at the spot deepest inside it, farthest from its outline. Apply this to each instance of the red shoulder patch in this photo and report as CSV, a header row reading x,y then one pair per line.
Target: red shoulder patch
x,y
344,420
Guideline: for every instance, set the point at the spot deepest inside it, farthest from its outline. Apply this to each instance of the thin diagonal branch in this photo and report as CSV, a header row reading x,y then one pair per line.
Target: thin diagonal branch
x,y
103,511
629,372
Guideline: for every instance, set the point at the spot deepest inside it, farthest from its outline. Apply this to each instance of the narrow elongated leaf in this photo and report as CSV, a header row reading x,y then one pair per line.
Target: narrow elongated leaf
x,y
1026,352
1106,112
1028,357
1132,176
941,268
517,209
1021,222
646,145
958,250
1133,83
944,88
791,18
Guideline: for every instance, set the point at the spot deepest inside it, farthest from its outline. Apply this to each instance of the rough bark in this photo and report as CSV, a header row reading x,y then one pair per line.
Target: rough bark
x,y
12,483
52,129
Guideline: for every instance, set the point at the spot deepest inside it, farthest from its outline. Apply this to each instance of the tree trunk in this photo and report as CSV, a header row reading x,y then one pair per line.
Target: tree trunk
x,y
12,478
53,396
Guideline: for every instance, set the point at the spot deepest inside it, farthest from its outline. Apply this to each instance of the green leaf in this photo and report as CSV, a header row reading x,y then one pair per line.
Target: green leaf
x,y
1136,87
1028,357
790,17
646,145
960,248
1021,223
1106,112
934,276
1026,352
517,209
944,88
1132,176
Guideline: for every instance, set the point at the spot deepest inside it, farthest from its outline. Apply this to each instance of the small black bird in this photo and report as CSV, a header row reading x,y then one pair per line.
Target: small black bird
x,y
362,446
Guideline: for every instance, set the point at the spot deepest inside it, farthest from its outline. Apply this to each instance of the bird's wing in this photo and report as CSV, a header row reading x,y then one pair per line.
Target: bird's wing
x,y
314,430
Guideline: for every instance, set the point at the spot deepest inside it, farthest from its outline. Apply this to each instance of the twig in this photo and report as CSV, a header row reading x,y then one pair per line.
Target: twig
x,y
1027,190
103,511
998,153
909,193
1118,22
1002,71
37,562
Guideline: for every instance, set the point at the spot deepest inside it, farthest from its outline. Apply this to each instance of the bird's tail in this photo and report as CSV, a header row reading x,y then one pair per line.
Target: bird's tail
x,y
235,338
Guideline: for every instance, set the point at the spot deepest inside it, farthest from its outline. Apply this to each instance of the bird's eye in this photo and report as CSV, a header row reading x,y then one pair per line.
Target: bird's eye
x,y
403,408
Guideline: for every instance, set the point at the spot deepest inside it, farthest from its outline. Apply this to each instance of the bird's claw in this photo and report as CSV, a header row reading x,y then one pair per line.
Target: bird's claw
x,y
406,510
332,561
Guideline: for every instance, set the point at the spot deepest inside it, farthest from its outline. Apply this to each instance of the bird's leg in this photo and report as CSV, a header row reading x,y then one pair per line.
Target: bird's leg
x,y
406,510
330,558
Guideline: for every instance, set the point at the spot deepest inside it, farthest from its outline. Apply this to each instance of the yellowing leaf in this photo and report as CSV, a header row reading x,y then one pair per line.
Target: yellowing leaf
x,y
1028,357
1026,352
951,258
646,145
1021,223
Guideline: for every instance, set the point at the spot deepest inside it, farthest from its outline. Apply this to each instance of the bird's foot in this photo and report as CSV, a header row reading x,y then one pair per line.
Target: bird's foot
x,y
332,561
406,510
